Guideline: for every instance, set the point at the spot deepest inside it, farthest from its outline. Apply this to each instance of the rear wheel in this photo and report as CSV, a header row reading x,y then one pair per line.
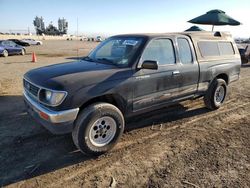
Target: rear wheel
x,y
98,128
5,53
216,94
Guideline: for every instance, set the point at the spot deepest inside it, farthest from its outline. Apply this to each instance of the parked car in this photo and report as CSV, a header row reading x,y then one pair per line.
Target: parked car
x,y
10,48
127,75
91,39
98,39
19,42
33,42
83,38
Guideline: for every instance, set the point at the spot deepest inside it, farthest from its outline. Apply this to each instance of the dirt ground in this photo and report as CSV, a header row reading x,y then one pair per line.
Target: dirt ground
x,y
184,145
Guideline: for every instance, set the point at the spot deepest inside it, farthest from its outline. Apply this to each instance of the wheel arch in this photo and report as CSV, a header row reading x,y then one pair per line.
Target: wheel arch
x,y
113,99
223,76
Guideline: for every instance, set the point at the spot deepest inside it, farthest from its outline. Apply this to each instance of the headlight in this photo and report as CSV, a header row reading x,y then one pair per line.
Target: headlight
x,y
48,95
52,98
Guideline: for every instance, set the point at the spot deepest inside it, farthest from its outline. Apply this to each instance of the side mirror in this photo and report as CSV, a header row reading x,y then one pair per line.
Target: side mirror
x,y
148,64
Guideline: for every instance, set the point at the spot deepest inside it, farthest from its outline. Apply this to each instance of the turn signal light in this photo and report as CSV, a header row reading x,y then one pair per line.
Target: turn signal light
x,y
44,116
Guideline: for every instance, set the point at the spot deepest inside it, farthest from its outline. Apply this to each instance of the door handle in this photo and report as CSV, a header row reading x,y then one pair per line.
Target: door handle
x,y
175,73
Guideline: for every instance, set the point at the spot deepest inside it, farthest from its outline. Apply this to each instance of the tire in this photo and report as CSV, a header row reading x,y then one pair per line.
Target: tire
x,y
23,52
5,53
38,43
244,60
216,94
98,128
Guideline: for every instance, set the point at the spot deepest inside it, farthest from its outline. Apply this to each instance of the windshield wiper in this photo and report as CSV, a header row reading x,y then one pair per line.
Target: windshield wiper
x,y
87,58
106,60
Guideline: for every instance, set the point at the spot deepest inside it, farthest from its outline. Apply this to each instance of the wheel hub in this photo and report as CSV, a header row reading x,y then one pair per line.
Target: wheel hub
x,y
102,131
219,94
5,53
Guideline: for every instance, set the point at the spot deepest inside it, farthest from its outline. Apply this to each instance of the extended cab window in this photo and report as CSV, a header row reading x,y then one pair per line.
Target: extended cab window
x,y
160,50
184,51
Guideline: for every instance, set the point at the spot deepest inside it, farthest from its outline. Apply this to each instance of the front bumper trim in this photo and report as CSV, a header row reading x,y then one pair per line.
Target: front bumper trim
x,y
53,116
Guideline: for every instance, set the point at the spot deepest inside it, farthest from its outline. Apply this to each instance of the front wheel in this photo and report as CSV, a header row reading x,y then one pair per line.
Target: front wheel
x,y
5,53
98,128
216,94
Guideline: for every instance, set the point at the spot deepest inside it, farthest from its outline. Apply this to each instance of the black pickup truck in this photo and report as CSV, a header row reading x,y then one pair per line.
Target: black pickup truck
x,y
127,75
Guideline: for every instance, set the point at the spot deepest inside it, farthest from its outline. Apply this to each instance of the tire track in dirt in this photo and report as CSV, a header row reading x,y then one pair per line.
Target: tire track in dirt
x,y
134,142
90,167
108,160
139,136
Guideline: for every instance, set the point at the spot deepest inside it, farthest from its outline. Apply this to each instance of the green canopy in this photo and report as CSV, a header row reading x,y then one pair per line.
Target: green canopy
x,y
194,28
215,17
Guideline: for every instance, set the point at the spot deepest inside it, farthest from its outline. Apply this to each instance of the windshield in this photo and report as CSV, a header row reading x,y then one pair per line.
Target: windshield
x,y
116,50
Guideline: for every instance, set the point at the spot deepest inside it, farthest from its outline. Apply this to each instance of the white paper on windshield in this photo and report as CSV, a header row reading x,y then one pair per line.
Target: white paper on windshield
x,y
130,42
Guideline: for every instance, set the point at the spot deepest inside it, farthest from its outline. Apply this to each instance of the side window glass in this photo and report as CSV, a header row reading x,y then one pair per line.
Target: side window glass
x,y
209,48
12,44
160,50
226,48
184,51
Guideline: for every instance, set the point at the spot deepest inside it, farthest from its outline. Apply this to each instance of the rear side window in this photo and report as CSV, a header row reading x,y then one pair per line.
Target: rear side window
x,y
214,48
185,51
160,50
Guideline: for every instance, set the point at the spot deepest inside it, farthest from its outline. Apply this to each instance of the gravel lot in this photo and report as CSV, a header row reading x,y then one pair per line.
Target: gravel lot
x,y
180,146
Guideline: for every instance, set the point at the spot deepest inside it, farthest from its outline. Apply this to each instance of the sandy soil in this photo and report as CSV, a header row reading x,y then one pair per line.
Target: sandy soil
x,y
185,145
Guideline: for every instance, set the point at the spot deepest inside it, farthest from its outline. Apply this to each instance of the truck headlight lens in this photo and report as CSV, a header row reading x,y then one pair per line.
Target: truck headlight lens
x,y
51,97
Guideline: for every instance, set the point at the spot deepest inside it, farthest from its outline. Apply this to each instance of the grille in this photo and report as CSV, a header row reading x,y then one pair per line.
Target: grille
x,y
30,88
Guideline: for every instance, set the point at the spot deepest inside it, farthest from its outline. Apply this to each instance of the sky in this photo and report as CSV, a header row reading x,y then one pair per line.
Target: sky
x,y
109,17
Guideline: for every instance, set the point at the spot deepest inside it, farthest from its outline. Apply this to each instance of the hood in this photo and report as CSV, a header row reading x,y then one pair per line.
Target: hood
x,y
75,75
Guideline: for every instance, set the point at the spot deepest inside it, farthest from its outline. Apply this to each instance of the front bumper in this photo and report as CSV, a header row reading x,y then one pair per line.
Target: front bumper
x,y
57,122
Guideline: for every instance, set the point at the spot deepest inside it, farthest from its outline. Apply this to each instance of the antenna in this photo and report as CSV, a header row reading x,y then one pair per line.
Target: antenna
x,y
77,39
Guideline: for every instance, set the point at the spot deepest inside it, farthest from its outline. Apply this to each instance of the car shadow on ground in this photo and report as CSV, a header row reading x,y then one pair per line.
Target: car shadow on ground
x,y
23,62
27,150
245,65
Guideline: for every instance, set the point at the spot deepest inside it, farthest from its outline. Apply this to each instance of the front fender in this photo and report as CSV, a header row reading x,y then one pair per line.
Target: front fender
x,y
2,49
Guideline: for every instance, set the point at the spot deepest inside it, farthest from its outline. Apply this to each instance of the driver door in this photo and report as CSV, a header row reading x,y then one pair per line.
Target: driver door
x,y
155,87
